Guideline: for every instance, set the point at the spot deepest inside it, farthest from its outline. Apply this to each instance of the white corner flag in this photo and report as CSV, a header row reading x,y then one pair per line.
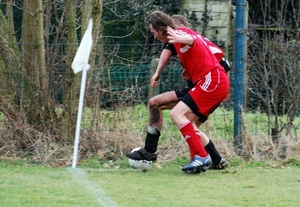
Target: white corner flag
x,y
80,63
83,53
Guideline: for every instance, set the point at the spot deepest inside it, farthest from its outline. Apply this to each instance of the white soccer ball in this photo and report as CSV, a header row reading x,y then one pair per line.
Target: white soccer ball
x,y
139,164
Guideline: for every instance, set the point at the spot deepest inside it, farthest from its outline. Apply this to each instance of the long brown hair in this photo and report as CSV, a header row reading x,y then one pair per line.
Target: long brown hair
x,y
160,21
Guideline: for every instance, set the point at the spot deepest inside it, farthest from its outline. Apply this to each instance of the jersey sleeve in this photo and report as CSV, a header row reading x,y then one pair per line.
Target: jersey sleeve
x,y
170,47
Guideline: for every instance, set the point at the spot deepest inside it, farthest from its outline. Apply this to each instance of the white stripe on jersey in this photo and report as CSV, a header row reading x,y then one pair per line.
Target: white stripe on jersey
x,y
215,50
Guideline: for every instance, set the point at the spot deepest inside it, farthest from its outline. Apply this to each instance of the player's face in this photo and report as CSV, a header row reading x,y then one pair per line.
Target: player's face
x,y
158,34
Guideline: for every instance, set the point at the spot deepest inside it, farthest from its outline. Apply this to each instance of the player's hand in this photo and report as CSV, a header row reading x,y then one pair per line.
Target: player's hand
x,y
185,76
172,36
154,80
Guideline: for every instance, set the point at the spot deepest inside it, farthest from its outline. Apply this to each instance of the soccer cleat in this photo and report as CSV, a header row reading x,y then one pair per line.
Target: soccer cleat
x,y
197,165
219,166
142,154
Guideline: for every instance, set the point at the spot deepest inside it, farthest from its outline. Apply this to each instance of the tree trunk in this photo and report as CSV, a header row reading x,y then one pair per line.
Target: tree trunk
x,y
38,105
96,56
72,83
10,73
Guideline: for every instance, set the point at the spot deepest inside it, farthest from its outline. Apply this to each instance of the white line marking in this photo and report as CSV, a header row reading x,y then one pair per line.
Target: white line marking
x,y
80,176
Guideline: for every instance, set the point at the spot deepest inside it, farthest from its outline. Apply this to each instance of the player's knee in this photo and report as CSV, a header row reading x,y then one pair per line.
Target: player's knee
x,y
173,115
153,102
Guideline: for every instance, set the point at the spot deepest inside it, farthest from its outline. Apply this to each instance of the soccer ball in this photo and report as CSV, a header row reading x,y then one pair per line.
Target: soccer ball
x,y
139,164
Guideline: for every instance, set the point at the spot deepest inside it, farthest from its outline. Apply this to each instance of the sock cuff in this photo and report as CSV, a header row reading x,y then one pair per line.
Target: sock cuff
x,y
183,124
152,129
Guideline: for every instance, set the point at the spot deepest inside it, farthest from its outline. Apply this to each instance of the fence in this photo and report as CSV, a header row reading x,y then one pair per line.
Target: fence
x,y
119,124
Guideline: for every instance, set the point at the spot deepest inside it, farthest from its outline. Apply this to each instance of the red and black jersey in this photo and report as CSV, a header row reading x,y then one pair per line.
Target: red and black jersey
x,y
198,59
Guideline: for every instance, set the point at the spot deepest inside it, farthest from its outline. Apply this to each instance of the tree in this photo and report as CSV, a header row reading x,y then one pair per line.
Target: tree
x,y
40,92
10,74
273,69
29,70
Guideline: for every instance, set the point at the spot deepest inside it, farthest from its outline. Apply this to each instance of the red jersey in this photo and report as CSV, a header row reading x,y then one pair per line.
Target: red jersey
x,y
199,58
216,51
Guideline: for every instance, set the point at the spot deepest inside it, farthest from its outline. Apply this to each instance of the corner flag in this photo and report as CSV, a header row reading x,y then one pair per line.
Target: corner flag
x,y
83,53
80,63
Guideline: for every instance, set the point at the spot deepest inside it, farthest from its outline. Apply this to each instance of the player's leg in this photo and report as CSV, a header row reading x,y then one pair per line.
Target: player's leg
x,y
155,104
179,116
218,162
201,101
206,100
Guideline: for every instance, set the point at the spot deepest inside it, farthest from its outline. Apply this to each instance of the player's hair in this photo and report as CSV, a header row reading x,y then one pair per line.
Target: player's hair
x,y
160,21
180,20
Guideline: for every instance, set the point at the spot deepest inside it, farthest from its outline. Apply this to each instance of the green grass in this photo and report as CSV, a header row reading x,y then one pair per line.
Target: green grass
x,y
243,184
38,186
170,187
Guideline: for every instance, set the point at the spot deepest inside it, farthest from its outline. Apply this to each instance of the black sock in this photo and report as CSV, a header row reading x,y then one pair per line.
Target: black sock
x,y
213,152
152,142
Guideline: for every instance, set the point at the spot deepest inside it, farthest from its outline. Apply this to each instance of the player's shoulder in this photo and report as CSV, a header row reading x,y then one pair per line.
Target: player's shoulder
x,y
170,46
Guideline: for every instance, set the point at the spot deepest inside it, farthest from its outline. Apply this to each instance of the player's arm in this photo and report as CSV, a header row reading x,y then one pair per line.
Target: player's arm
x,y
184,76
176,38
164,57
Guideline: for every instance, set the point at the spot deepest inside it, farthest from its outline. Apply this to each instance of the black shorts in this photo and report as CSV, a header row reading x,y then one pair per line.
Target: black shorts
x,y
187,99
182,92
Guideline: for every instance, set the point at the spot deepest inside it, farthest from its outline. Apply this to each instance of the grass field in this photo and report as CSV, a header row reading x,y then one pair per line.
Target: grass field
x,y
255,184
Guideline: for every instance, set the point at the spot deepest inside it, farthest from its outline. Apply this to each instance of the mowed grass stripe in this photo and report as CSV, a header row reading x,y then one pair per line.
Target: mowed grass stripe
x,y
36,186
80,177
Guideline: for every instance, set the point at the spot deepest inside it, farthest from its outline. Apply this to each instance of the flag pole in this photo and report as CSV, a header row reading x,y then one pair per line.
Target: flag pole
x,y
80,63
79,114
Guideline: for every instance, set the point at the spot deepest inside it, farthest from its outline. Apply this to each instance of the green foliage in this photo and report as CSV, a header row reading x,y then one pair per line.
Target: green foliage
x,y
192,18
255,164
258,14
16,162
219,124
291,162
236,161
1,117
178,161
123,24
91,163
169,6
259,122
